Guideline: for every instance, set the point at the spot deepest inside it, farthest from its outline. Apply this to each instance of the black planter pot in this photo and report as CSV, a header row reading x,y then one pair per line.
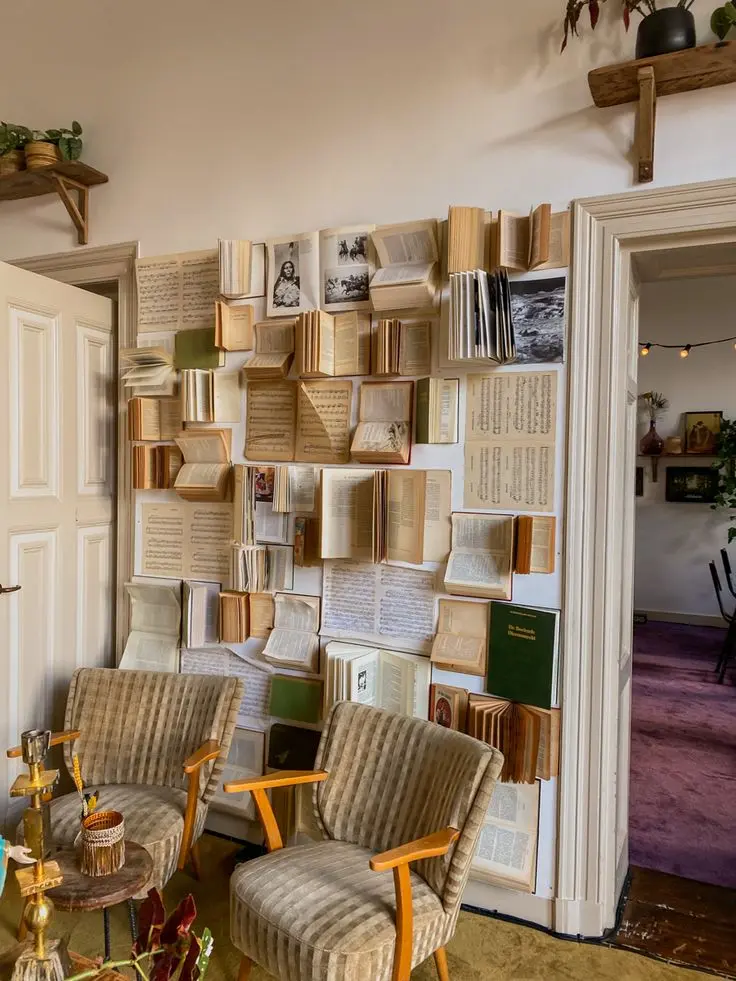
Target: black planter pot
x,y
666,30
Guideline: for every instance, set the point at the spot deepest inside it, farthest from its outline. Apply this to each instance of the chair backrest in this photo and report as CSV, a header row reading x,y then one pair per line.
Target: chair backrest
x,y
727,569
393,779
719,590
138,727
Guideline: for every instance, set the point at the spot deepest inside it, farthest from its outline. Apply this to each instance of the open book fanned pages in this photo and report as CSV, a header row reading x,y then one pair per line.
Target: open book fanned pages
x,y
154,419
528,736
177,292
330,345
466,235
346,266
294,489
408,276
294,640
199,614
540,240
402,347
155,467
506,853
155,620
148,370
234,257
448,706
197,349
274,350
234,617
255,515
481,559
234,326
186,540
461,643
437,410
391,680
210,396
205,474
378,603
256,675
293,274
383,433
510,432
535,544
261,568
262,611
523,654
481,321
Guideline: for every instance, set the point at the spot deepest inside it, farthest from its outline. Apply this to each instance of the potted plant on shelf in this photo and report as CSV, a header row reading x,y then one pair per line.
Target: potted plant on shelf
x,y
45,148
655,404
13,139
662,30
722,20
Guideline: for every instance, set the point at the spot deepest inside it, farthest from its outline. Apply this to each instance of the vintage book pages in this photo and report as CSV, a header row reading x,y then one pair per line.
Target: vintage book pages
x,y
332,346
346,265
204,445
378,603
234,257
200,602
148,369
412,241
294,489
437,515
405,515
481,558
306,542
234,614
506,854
293,274
437,410
234,326
448,706
540,240
270,421
510,434
383,434
274,350
262,611
461,643
294,640
177,292
245,760
558,246
323,422
408,254
261,568
154,419
203,481
466,232
256,675
210,396
391,680
481,325
403,347
535,544
347,517
155,619
186,541
155,467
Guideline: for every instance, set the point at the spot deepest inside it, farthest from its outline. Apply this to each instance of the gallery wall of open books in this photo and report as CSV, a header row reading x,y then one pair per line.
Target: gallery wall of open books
x,y
347,451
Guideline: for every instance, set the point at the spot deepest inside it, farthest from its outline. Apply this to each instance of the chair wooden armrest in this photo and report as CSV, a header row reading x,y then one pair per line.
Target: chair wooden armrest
x,y
398,859
258,787
192,765
56,739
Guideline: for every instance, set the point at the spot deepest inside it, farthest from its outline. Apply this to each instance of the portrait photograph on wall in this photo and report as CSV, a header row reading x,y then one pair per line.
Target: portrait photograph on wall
x,y
701,432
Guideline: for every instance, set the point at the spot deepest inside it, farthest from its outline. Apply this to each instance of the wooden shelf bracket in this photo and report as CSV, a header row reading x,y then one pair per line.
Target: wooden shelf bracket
x,y
646,124
78,210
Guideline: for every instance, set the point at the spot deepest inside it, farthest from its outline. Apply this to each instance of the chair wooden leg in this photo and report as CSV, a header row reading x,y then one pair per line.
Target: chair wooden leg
x,y
245,965
440,961
196,865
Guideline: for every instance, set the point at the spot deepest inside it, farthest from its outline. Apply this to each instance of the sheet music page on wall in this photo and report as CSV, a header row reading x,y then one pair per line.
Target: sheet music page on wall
x,y
186,540
177,292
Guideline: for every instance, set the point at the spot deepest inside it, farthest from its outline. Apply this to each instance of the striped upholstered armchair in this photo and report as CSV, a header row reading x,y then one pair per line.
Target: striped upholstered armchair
x,y
388,791
154,745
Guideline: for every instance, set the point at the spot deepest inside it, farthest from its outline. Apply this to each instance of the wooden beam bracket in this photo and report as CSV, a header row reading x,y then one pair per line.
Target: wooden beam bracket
x,y
78,210
646,124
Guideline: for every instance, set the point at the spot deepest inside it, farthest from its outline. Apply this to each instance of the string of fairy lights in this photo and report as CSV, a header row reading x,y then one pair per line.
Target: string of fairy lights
x,y
684,349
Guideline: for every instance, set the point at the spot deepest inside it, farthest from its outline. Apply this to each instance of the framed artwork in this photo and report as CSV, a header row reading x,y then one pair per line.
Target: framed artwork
x,y
701,432
640,481
691,485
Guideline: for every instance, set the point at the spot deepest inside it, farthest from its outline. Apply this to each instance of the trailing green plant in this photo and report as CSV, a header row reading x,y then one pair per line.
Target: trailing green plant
x,y
722,20
655,403
13,137
575,8
69,141
726,466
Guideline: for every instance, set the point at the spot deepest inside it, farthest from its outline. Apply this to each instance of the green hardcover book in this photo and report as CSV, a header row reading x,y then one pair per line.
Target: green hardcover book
x,y
523,645
298,699
422,411
196,349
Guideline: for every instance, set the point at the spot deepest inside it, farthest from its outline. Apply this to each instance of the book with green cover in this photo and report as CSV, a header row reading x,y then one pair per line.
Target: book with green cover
x,y
523,647
298,699
196,349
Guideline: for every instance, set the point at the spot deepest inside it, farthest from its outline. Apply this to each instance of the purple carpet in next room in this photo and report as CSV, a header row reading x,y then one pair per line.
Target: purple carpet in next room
x,y
683,755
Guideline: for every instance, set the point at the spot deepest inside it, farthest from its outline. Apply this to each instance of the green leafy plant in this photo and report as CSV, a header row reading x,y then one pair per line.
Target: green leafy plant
x,y
726,466
13,137
68,141
575,8
722,20
655,403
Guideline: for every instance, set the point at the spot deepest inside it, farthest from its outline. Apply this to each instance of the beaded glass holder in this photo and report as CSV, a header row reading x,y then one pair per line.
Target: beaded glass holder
x,y
102,843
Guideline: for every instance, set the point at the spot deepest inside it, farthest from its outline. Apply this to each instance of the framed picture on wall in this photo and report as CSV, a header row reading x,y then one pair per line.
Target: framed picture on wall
x,y
701,432
640,481
691,485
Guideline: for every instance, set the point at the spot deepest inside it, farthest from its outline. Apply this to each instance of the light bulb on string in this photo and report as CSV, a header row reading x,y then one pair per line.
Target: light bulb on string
x,y
685,352
645,348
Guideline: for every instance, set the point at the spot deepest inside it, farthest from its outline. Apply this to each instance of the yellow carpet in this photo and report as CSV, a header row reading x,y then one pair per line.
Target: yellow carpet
x,y
483,949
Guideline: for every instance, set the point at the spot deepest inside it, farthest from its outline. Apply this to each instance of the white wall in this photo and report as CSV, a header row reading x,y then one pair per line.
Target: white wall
x,y
675,542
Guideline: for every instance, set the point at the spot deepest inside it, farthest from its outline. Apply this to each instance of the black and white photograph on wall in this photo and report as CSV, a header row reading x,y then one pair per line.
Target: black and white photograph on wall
x,y
345,284
538,313
292,262
347,262
691,485
286,284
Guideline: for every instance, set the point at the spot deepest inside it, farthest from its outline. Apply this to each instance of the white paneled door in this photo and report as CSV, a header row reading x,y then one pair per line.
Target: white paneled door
x,y
57,498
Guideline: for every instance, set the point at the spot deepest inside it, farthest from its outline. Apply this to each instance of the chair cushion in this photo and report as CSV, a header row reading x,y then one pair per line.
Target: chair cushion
x,y
317,912
154,817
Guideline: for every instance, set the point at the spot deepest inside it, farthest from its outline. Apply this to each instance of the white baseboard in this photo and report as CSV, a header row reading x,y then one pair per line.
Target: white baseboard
x,y
580,918
693,619
509,902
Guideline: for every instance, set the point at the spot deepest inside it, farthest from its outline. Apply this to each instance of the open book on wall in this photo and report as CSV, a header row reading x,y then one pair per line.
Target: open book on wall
x,y
205,474
155,621
155,467
402,347
234,617
210,396
436,410
331,345
506,853
481,560
273,350
386,679
148,370
528,736
199,613
540,240
535,544
234,261
408,277
383,433
261,610
461,642
294,640
153,419
481,322
261,568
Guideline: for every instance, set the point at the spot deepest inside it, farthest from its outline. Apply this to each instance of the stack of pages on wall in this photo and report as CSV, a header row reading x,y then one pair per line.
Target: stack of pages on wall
x,y
481,325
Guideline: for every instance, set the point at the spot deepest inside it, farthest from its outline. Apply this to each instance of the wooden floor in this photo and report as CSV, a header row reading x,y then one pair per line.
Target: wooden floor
x,y
681,921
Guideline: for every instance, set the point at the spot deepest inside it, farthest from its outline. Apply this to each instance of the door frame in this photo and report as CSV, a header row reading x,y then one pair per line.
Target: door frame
x,y
100,264
607,233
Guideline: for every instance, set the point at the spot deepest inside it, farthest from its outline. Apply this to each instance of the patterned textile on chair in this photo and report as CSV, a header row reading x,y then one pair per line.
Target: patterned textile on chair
x,y
317,912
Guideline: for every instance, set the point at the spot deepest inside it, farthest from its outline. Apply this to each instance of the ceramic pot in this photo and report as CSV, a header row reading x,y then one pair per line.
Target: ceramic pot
x,y
40,154
652,444
11,162
666,30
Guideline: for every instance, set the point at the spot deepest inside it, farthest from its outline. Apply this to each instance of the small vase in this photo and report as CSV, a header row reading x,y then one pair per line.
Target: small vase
x,y
666,30
652,444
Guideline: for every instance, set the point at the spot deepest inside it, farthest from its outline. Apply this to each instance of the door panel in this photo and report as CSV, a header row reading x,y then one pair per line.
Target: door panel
x,y
57,504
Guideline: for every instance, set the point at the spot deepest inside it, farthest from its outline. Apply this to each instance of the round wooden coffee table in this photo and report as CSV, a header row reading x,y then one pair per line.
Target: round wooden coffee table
x,y
87,892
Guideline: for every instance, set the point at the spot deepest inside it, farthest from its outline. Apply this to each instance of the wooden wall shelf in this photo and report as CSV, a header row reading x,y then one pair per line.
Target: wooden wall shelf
x,y
63,178
643,80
